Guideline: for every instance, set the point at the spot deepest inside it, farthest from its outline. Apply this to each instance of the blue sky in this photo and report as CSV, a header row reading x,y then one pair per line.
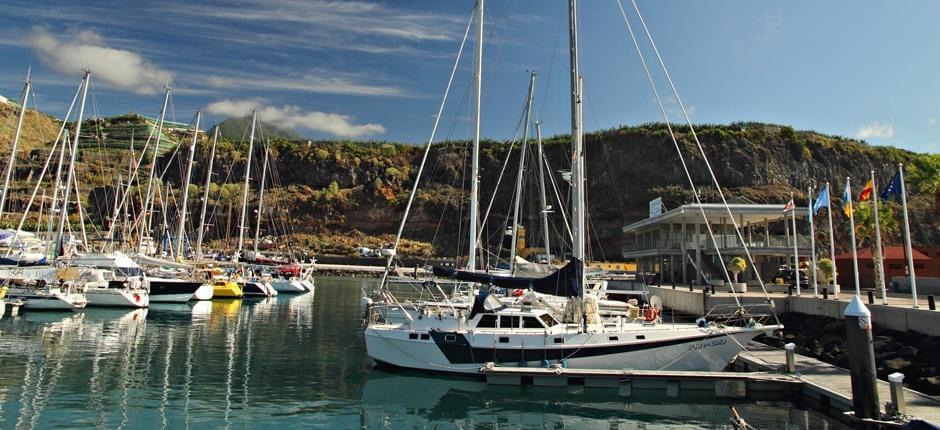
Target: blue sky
x,y
376,70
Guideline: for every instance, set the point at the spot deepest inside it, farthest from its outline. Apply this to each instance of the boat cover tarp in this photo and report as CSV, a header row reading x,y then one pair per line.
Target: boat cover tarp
x,y
565,282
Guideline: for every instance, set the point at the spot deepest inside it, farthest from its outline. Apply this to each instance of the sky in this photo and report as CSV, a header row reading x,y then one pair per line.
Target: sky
x,y
377,70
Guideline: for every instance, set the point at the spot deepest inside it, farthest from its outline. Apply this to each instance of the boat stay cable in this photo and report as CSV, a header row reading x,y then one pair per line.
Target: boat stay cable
x,y
424,157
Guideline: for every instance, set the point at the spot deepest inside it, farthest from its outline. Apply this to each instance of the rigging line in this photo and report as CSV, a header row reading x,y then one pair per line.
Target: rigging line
x,y
698,143
675,142
427,150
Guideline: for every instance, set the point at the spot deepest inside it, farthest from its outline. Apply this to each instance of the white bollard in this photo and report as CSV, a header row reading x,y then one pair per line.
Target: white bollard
x,y
791,357
897,392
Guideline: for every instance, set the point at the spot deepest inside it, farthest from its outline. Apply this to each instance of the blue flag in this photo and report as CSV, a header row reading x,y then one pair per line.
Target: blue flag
x,y
893,188
822,201
847,200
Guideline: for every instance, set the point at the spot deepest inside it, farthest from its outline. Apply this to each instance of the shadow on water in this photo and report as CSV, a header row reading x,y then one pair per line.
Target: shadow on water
x,y
292,361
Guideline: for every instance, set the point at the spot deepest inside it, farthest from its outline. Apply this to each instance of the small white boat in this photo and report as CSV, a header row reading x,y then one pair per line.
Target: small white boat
x,y
39,295
282,285
102,289
204,292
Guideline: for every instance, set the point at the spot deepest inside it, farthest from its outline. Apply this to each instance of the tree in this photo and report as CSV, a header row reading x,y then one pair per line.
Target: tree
x,y
736,266
865,229
924,176
828,269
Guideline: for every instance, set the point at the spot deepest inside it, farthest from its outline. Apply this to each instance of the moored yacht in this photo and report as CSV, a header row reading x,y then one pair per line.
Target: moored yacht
x,y
39,294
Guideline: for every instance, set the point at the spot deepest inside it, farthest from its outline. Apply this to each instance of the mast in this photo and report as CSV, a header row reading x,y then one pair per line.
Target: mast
x,y
16,140
832,242
63,214
251,148
264,174
848,195
520,175
543,200
185,190
148,203
880,267
205,196
475,157
577,151
907,238
53,206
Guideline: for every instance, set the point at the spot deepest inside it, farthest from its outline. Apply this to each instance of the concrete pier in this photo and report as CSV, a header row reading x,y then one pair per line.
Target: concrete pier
x,y
896,315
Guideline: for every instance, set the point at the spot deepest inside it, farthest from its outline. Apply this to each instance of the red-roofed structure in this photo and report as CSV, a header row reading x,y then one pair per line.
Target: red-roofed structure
x,y
895,264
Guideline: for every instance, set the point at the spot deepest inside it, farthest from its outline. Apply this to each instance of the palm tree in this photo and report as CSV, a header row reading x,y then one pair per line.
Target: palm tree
x,y
924,177
865,229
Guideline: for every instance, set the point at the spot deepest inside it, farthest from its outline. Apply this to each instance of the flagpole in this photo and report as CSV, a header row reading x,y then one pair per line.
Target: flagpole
x,y
848,194
796,256
907,237
832,243
812,239
880,266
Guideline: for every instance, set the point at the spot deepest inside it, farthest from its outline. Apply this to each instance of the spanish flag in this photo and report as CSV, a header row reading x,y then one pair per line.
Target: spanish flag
x,y
867,191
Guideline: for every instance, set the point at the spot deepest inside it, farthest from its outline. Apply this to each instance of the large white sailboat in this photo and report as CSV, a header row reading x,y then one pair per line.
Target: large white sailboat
x,y
442,338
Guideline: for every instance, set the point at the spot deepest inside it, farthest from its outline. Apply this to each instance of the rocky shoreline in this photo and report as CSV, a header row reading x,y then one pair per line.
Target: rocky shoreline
x,y
915,355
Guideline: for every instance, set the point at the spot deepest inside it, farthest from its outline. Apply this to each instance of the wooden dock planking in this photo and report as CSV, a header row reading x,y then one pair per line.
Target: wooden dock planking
x,y
830,385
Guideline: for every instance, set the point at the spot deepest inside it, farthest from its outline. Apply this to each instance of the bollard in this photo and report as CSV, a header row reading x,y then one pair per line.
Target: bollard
x,y
861,354
713,290
791,357
897,392
931,304
690,287
871,298
825,294
790,290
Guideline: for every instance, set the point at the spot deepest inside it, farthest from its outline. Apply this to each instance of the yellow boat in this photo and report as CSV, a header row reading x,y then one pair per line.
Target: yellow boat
x,y
3,292
222,288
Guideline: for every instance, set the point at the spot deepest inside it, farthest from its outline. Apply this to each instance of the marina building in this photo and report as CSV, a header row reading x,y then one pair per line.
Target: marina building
x,y
675,245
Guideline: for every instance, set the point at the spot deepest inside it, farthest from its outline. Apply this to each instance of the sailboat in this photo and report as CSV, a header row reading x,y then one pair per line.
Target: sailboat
x,y
455,340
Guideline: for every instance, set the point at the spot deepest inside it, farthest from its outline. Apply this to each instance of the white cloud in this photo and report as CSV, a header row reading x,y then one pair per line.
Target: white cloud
x,y
289,116
876,129
312,83
118,67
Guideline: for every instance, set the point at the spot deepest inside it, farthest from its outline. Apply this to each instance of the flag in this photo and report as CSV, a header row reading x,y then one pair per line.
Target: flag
x,y
847,200
789,206
822,201
867,191
893,188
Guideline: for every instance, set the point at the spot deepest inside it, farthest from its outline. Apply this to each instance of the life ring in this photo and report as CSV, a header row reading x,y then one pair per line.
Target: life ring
x,y
650,314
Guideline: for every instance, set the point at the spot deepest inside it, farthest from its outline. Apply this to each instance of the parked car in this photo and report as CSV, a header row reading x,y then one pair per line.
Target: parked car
x,y
785,276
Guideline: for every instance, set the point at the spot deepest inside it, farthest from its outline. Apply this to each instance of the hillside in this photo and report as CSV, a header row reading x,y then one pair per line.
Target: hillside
x,y
235,129
342,194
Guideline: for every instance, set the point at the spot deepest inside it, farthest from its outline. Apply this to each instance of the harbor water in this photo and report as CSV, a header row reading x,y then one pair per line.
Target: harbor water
x,y
289,362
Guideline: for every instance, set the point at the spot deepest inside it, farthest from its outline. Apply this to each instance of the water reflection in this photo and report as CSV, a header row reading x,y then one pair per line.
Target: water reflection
x,y
294,361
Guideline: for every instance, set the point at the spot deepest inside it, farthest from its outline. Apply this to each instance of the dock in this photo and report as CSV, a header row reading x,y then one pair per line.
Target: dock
x,y
759,374
827,387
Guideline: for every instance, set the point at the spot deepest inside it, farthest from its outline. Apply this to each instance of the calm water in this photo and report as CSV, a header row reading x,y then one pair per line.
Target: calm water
x,y
287,362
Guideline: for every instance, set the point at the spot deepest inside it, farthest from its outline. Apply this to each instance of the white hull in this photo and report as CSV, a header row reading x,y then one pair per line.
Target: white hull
x,y
285,286
308,285
48,301
113,297
204,292
688,351
171,298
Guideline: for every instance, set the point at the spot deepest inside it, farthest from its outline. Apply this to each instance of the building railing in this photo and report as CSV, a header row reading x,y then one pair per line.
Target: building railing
x,y
724,242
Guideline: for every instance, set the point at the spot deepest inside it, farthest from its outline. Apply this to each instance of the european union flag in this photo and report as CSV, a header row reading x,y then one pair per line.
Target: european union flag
x,y
893,188
822,201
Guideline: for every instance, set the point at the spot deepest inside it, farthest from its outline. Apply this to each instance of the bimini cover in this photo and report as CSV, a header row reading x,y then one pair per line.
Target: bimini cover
x,y
565,282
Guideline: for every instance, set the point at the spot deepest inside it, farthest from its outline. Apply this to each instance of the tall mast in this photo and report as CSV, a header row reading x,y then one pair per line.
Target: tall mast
x,y
543,200
205,196
520,175
185,190
577,150
53,206
63,213
148,203
264,174
16,140
251,148
475,156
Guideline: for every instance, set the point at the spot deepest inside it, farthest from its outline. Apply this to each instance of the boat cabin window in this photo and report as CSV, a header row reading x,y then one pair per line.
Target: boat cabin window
x,y
412,335
548,320
487,321
530,322
508,321
425,336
